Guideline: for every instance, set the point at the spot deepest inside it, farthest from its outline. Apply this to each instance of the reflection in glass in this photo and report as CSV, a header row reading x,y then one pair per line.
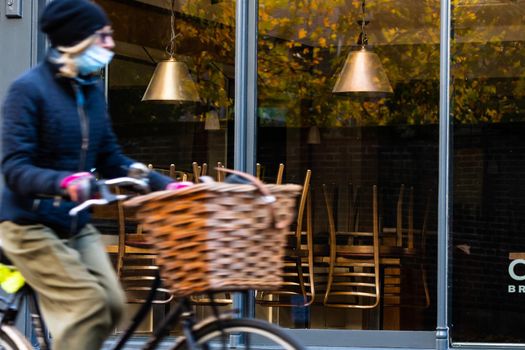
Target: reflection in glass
x,y
362,71
163,134
171,82
373,162
488,113
176,139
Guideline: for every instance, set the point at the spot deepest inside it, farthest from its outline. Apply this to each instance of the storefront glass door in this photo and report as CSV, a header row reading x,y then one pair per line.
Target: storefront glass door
x,y
364,257
488,114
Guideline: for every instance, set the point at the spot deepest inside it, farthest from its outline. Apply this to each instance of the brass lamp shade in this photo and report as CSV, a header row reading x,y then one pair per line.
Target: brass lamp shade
x,y
171,82
314,136
362,73
212,121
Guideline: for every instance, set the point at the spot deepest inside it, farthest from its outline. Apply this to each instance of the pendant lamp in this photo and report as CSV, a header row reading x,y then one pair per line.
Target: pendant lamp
x,y
363,72
314,136
212,121
171,82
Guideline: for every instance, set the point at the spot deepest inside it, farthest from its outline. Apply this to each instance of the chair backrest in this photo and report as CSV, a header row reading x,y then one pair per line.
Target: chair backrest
x,y
259,173
220,174
136,267
410,232
353,207
410,240
299,281
353,262
197,171
414,265
280,171
170,171
305,203
423,250
399,216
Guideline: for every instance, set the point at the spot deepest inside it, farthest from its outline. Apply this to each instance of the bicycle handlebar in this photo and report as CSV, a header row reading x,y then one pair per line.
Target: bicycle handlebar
x,y
106,196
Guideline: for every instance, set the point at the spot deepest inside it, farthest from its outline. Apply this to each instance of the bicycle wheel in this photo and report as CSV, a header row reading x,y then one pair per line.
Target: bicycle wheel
x,y
240,334
11,339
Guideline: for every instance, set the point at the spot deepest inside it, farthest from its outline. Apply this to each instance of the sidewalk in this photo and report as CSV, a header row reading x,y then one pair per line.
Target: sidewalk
x,y
136,343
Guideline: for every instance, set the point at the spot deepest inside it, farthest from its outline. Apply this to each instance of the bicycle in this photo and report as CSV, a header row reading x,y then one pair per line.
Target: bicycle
x,y
221,330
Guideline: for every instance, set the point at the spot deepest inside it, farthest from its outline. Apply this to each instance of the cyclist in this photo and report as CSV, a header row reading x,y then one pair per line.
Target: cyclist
x,y
55,130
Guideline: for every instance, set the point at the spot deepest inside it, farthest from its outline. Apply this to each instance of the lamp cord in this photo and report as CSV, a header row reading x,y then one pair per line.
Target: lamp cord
x,y
363,9
171,48
363,37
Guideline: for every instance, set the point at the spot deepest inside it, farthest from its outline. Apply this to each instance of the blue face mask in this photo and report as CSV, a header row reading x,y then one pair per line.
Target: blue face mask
x,y
93,59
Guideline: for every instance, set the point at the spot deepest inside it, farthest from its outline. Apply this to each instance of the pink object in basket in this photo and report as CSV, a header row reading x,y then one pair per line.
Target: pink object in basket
x,y
178,185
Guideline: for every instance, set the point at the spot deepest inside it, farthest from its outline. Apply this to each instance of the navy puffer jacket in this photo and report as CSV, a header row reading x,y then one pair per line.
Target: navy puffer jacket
x,y
46,121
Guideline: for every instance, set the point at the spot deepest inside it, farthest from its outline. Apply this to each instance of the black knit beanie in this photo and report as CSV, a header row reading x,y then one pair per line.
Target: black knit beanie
x,y
67,22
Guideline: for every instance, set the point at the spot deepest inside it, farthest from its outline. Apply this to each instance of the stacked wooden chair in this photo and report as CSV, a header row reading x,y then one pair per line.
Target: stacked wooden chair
x,y
410,245
298,289
352,259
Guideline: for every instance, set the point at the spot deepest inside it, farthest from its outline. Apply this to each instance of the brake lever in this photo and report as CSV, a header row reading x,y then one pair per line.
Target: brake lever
x,y
128,181
74,211
107,196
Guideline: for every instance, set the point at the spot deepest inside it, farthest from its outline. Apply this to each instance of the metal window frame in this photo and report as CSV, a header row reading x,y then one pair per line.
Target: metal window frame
x,y
245,120
444,194
245,155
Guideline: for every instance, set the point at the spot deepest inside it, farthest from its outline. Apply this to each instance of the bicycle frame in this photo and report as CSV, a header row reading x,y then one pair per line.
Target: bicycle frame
x,y
140,315
183,313
13,306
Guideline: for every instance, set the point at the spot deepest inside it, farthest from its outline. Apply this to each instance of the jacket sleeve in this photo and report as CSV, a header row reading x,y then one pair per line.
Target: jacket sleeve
x,y
111,162
20,121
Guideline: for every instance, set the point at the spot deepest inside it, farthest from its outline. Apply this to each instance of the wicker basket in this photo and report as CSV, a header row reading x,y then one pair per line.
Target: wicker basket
x,y
218,236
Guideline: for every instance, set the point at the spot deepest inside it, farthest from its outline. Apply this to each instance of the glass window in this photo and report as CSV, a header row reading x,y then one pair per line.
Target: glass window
x,y
364,256
173,133
488,109
181,139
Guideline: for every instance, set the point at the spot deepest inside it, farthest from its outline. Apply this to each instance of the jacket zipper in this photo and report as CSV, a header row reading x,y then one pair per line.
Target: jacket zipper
x,y
84,127
85,138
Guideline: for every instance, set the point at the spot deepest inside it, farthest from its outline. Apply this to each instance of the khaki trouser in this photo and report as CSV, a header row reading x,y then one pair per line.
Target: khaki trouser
x,y
78,290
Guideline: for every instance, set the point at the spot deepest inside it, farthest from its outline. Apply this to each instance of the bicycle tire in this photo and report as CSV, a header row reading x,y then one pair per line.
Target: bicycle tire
x,y
12,339
213,332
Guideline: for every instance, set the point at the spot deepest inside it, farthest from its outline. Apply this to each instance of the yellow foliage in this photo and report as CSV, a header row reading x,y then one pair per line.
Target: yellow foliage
x,y
302,33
